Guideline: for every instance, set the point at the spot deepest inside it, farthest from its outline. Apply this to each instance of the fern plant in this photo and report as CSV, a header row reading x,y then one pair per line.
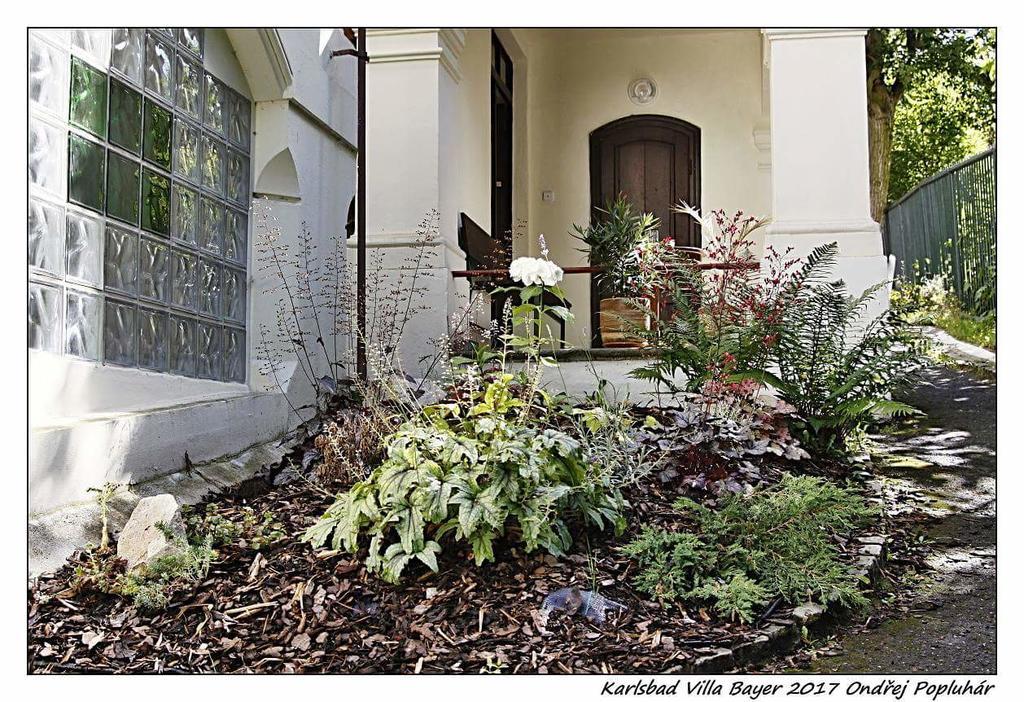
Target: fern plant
x,y
838,367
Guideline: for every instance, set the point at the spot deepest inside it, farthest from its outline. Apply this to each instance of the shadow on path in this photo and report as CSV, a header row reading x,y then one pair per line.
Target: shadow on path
x,y
944,470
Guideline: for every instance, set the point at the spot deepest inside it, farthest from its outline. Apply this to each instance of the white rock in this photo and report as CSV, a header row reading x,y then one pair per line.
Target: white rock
x,y
141,541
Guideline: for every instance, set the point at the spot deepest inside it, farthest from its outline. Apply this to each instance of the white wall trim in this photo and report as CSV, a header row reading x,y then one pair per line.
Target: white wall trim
x,y
264,61
763,142
787,34
824,227
404,240
450,43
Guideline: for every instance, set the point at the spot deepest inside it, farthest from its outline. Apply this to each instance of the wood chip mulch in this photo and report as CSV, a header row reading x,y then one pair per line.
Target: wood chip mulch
x,y
289,608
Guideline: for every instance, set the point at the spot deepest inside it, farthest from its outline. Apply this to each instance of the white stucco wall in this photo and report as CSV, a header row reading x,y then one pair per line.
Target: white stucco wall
x,y
91,423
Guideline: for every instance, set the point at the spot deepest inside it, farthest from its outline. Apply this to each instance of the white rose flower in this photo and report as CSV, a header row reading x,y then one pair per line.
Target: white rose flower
x,y
535,271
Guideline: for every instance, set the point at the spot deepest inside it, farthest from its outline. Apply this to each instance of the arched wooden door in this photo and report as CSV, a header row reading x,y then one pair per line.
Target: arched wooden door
x,y
655,162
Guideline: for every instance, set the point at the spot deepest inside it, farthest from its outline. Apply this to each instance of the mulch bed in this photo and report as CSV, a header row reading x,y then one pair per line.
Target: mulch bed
x,y
292,609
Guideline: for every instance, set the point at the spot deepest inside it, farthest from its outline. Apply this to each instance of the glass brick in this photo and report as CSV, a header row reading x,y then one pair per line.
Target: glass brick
x,y
213,164
183,279
88,98
209,287
86,172
60,37
48,75
85,248
154,281
123,188
82,325
119,333
234,294
208,351
237,180
239,116
93,42
153,339
235,236
186,150
184,213
191,39
44,310
188,79
183,345
46,236
156,135
234,355
125,116
126,50
211,228
213,104
47,160
159,66
121,260
156,210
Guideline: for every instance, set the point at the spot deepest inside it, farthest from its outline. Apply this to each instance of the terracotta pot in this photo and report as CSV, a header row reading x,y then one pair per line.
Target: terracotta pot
x,y
619,319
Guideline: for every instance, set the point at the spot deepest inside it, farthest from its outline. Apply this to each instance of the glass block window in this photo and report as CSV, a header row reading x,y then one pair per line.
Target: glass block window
x,y
139,192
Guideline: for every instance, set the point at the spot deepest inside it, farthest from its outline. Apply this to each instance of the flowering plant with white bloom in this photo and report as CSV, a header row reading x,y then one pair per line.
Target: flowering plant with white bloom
x,y
535,271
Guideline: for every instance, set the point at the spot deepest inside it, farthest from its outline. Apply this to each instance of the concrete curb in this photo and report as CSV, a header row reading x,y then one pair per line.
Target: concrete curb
x,y
961,350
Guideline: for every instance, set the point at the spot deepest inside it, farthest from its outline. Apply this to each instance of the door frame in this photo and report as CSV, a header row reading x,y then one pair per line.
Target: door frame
x,y
597,137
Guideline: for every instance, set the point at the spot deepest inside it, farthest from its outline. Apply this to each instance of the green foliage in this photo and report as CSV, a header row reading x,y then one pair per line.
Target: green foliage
x,y
612,240
149,586
931,302
492,461
837,369
256,530
734,599
775,542
715,323
935,126
937,86
477,470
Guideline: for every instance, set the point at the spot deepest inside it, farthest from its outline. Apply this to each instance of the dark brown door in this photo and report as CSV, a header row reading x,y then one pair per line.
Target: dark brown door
x,y
654,161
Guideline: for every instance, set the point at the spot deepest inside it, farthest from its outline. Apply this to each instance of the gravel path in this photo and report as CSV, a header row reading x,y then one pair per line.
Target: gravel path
x,y
947,465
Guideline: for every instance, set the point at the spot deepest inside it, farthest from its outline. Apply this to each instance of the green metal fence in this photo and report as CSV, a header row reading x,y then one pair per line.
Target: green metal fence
x,y
947,225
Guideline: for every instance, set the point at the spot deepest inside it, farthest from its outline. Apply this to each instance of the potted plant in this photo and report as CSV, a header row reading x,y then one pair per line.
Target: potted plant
x,y
613,241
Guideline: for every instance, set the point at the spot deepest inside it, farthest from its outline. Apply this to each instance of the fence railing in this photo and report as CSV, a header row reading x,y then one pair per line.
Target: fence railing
x,y
947,225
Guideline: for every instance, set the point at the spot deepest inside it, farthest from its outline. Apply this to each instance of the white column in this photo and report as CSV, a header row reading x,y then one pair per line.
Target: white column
x,y
819,149
410,80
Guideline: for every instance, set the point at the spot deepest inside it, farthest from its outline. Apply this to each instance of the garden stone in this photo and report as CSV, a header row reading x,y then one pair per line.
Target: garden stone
x,y
808,612
141,540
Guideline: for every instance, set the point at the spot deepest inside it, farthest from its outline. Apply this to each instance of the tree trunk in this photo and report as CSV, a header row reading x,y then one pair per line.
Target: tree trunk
x,y
880,121
882,101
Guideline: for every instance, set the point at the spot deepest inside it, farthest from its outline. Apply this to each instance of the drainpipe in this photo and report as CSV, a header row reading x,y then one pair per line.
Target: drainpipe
x,y
361,57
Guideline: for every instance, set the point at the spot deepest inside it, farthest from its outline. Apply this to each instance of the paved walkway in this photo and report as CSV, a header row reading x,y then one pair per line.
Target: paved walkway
x,y
947,467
